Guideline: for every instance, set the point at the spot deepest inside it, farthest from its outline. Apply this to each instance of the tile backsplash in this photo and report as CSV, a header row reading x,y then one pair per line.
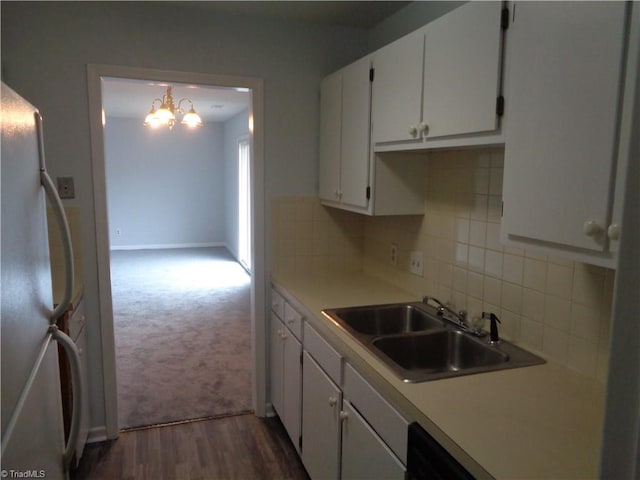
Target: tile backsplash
x,y
559,308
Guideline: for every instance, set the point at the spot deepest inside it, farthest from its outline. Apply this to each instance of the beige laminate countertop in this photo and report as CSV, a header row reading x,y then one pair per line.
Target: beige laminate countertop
x,y
539,422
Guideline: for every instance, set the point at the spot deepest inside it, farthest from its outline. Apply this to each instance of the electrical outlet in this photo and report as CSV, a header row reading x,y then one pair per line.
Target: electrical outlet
x,y
393,255
66,188
118,232
415,263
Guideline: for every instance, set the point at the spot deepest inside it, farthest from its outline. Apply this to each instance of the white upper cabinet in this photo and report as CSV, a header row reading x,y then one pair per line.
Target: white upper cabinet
x,y
330,136
439,86
356,118
397,90
350,177
462,61
564,65
345,99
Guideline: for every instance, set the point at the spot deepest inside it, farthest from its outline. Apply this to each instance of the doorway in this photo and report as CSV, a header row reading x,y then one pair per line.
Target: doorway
x,y
179,292
257,260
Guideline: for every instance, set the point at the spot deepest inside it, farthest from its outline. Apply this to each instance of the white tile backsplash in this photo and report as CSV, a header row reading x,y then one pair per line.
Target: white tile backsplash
x,y
554,306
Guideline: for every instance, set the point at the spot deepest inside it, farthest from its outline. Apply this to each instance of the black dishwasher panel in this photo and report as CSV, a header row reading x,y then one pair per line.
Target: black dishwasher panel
x,y
428,460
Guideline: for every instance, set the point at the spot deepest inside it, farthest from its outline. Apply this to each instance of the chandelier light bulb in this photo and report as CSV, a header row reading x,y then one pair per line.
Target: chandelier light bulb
x,y
166,113
192,119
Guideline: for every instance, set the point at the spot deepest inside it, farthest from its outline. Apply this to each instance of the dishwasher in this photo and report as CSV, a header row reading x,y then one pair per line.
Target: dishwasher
x,y
427,459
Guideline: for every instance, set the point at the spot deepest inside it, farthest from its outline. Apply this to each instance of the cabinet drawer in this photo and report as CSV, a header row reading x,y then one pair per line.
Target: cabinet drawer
x,y
277,303
323,353
293,320
384,419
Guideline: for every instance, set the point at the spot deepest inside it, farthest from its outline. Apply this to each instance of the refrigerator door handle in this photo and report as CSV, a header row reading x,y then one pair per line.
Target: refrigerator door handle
x,y
76,385
61,218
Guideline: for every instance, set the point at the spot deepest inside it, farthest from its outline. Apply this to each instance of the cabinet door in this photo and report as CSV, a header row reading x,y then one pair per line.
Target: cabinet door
x,y
321,401
563,64
292,387
276,363
364,455
356,118
397,89
330,133
462,70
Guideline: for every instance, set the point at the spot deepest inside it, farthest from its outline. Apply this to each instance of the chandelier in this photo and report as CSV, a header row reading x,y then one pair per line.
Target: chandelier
x,y
166,113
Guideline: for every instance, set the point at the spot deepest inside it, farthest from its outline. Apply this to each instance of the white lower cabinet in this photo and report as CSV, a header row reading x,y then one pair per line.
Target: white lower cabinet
x,y
364,455
286,376
357,437
321,401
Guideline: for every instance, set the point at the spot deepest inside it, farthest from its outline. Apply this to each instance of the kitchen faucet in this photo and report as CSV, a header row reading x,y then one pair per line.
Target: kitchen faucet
x,y
459,319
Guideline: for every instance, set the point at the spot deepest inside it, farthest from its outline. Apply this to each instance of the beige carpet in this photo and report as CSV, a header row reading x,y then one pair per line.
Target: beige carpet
x,y
183,338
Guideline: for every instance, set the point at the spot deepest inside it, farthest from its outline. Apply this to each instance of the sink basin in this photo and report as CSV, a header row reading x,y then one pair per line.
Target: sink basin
x,y
418,345
439,352
386,319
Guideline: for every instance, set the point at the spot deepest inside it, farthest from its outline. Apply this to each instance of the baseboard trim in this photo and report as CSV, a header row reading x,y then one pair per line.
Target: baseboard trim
x,y
162,246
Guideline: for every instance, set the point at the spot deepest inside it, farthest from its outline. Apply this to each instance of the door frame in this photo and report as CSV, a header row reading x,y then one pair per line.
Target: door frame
x,y
258,284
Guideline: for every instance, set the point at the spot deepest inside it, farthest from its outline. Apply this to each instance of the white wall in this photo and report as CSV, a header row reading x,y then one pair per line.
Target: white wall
x,y
164,188
46,47
408,19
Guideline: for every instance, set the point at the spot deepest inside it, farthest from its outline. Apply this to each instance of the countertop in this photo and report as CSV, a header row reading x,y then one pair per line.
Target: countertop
x,y
539,422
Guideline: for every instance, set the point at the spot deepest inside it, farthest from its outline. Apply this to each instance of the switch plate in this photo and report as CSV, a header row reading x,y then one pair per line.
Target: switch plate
x,y
415,263
393,255
66,188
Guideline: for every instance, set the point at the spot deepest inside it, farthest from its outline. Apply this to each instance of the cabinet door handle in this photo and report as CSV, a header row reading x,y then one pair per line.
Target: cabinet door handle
x,y
344,415
333,401
613,232
423,128
591,228
413,131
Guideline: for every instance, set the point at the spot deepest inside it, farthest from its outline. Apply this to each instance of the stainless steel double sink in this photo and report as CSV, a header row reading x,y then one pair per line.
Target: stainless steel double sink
x,y
418,345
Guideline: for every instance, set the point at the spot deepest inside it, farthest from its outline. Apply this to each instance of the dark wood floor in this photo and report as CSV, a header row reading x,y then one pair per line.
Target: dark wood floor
x,y
238,447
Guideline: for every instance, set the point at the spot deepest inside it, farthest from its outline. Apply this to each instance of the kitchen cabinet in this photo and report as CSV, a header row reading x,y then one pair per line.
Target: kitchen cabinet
x,y
345,100
440,81
321,402
374,434
462,56
348,430
397,90
285,368
364,454
350,176
563,133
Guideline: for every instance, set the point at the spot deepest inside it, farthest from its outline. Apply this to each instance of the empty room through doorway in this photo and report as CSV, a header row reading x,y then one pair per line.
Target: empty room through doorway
x,y
181,299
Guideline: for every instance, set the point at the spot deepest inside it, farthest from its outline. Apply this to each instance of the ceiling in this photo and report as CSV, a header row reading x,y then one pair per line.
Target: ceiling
x,y
360,14
132,98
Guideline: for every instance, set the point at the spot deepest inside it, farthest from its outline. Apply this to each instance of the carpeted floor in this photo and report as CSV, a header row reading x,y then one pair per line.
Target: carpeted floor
x,y
183,335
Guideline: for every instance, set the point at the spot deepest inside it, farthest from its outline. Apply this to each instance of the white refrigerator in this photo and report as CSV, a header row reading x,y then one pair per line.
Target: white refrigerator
x,y
31,411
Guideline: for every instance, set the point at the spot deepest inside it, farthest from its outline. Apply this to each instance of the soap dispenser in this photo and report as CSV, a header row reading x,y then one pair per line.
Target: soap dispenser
x,y
494,337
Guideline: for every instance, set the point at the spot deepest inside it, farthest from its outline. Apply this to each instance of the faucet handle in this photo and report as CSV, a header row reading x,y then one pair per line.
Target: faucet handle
x,y
494,339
